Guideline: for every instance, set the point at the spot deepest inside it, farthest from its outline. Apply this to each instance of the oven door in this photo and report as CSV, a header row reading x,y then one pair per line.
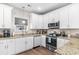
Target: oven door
x,y
51,41
54,42
48,40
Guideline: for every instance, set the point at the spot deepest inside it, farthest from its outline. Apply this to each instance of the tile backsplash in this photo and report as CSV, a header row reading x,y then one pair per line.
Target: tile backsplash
x,y
71,32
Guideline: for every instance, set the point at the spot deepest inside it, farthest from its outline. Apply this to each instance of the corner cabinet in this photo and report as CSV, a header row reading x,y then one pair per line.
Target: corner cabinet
x,y
38,21
43,41
5,16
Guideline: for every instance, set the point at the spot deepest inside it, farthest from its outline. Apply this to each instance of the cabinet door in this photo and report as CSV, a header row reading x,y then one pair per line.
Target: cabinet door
x,y
43,41
20,45
64,14
11,46
37,41
40,22
3,47
74,16
1,16
55,15
49,17
45,21
33,21
29,43
7,16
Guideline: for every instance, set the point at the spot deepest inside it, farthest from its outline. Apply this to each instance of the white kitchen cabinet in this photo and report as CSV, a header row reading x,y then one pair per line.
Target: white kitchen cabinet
x,y
5,16
74,16
7,47
28,43
49,17
64,17
43,41
36,41
40,22
1,16
55,16
33,21
61,42
3,47
20,45
45,21
10,46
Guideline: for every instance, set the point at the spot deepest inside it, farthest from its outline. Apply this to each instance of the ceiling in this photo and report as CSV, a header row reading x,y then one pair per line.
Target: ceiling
x,y
39,8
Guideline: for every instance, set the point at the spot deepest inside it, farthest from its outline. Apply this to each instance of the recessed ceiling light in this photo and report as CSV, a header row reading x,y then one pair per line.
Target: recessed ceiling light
x,y
39,8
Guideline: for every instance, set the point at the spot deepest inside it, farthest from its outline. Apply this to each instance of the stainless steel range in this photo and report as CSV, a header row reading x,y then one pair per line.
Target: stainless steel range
x,y
51,41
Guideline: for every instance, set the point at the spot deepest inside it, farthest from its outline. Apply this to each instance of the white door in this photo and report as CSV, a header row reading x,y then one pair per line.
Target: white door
x,y
29,43
1,16
7,16
20,45
11,46
43,41
3,47
37,41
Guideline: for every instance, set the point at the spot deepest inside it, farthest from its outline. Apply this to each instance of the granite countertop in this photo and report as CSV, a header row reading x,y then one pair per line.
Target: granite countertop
x,y
71,48
20,36
63,37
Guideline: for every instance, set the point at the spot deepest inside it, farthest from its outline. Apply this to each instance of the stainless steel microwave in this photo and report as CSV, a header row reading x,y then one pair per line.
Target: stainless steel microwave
x,y
54,25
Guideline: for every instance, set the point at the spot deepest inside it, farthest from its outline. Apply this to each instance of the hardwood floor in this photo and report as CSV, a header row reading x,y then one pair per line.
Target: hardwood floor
x,y
38,51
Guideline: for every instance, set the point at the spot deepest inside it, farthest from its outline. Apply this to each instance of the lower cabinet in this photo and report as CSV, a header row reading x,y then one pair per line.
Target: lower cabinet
x,y
20,45
28,43
10,46
61,42
36,41
7,47
14,46
3,47
23,44
43,41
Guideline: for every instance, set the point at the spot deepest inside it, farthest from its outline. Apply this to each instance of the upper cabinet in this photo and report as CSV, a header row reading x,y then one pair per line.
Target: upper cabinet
x,y
74,16
45,21
69,17
64,17
1,16
38,21
33,21
5,16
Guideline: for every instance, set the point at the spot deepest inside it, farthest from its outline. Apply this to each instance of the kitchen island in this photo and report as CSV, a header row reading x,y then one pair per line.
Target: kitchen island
x,y
71,48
